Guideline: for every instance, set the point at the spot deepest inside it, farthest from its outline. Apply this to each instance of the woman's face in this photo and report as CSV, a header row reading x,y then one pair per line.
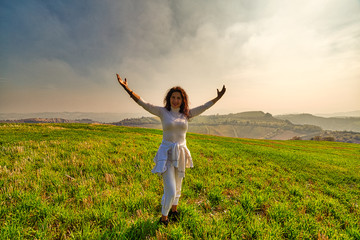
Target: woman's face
x,y
175,100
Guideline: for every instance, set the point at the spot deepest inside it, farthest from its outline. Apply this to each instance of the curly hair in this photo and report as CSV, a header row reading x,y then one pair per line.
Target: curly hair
x,y
184,107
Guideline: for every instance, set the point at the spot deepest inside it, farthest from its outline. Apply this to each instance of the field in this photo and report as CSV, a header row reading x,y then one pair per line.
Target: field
x,y
82,181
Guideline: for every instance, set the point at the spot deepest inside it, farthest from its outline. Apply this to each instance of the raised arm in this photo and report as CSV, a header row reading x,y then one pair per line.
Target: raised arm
x,y
147,106
200,109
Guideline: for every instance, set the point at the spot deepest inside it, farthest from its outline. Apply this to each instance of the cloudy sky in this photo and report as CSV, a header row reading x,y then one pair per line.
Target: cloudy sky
x,y
276,56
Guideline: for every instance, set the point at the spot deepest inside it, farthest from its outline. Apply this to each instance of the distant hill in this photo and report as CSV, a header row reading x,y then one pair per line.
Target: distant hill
x,y
331,123
340,114
254,124
104,117
48,120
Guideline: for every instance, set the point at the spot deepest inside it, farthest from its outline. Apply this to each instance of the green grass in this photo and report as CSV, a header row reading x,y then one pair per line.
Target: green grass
x,y
80,181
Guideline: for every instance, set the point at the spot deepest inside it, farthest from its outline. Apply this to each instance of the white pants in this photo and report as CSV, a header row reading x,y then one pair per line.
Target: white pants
x,y
172,189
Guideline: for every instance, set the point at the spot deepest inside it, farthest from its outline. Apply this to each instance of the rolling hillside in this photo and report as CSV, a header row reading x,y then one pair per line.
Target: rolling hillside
x,y
330,123
256,124
91,181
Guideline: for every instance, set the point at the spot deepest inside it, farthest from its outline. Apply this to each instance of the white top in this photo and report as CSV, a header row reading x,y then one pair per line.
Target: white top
x,y
175,126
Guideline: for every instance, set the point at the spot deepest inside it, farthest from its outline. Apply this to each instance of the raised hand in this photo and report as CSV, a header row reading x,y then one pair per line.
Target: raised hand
x,y
124,84
221,93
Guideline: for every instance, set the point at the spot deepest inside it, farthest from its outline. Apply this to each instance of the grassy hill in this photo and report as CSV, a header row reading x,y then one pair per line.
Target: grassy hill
x,y
82,181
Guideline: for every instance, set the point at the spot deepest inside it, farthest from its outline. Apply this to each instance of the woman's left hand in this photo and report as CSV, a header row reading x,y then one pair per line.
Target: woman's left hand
x,y
221,93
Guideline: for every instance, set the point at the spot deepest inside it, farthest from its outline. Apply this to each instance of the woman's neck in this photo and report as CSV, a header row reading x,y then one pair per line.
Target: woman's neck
x,y
175,109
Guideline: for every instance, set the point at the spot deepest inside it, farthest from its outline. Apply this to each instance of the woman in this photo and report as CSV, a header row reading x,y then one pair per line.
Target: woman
x,y
173,155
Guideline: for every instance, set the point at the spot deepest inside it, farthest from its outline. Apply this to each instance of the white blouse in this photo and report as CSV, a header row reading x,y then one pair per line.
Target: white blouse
x,y
173,147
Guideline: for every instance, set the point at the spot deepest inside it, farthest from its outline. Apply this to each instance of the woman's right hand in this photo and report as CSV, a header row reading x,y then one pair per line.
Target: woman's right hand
x,y
124,84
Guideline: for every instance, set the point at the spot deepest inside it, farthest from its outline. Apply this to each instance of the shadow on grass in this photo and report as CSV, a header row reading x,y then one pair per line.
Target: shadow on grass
x,y
142,229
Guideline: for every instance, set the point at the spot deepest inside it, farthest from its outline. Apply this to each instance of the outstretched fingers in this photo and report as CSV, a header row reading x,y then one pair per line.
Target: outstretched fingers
x,y
122,83
118,78
220,93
